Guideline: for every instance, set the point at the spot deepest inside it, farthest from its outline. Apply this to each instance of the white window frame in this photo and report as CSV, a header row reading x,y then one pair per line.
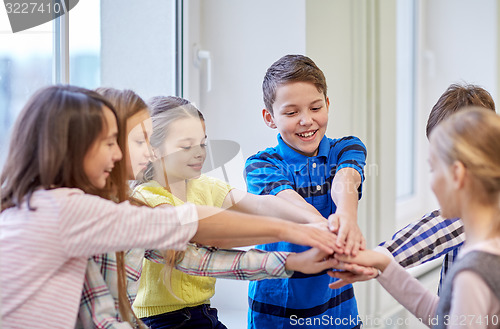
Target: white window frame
x,y
411,208
60,53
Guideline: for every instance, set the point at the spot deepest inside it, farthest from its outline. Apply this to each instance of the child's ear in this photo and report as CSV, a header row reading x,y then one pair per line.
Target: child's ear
x,y
328,104
459,173
268,119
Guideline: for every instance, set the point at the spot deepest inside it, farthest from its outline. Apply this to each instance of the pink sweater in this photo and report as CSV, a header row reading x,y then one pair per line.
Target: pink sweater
x,y
43,253
474,305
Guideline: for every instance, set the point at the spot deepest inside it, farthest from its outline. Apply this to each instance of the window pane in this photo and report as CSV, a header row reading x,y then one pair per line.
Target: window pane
x,y
85,44
25,66
405,141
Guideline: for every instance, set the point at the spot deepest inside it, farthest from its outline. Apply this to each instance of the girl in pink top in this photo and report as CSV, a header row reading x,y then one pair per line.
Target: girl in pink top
x,y
464,158
63,163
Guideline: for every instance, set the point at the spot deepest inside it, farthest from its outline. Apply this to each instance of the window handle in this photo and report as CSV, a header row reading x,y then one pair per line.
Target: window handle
x,y
204,55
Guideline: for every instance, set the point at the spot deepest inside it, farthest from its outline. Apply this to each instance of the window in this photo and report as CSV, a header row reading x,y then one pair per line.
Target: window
x,y
409,156
35,58
405,141
405,145
138,51
25,66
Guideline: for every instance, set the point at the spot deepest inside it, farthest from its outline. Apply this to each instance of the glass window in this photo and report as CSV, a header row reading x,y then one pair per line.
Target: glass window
x,y
405,134
140,53
85,44
25,66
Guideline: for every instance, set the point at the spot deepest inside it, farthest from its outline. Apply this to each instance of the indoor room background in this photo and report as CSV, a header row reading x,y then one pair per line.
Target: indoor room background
x,y
386,63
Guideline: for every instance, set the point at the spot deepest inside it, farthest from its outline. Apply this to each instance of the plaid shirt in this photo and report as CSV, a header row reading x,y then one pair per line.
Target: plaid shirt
x,y
99,302
427,239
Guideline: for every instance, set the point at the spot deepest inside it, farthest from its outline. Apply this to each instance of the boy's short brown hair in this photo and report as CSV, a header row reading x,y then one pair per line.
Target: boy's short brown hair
x,y
456,97
287,69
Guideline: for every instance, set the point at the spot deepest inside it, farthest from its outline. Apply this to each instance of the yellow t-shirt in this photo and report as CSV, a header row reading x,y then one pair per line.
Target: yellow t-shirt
x,y
153,297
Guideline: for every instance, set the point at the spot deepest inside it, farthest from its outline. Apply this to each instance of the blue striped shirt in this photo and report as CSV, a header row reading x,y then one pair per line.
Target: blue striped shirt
x,y
303,299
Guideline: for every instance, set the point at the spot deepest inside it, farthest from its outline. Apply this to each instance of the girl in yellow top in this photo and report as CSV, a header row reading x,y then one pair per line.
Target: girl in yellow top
x,y
179,143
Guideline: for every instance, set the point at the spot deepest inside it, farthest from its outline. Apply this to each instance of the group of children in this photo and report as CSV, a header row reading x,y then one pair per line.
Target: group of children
x,y
109,223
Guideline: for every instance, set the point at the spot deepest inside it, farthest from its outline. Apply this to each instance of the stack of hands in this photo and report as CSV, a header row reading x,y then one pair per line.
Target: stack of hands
x,y
350,261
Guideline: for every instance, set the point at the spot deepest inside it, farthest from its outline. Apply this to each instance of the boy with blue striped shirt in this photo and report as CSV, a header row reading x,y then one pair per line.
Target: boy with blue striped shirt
x,y
318,173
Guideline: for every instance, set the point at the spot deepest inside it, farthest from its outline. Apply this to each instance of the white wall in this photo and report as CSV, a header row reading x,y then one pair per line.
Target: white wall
x,y
138,46
244,38
458,43
469,53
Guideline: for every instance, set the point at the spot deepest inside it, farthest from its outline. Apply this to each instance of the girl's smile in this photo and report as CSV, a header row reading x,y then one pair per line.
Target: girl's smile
x,y
196,166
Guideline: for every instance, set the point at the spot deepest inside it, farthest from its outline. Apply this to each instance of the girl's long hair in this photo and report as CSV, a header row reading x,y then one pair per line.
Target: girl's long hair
x,y
126,103
50,139
48,144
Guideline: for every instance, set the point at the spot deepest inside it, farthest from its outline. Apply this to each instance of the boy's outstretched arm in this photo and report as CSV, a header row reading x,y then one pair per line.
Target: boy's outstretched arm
x,y
295,198
270,205
266,176
345,195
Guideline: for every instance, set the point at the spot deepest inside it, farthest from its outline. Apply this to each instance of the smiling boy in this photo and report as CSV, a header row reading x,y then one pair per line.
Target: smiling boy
x,y
318,173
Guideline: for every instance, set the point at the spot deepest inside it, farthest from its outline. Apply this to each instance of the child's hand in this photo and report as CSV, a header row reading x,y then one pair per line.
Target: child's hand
x,y
323,225
352,273
370,258
349,236
363,267
309,235
317,219
310,261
